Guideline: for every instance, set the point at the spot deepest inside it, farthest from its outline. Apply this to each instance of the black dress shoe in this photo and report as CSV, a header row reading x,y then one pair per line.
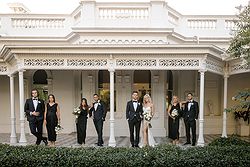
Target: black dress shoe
x,y
100,145
45,141
186,143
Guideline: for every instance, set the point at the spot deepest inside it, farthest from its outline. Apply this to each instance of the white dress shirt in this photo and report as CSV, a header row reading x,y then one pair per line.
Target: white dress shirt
x,y
35,102
135,104
190,104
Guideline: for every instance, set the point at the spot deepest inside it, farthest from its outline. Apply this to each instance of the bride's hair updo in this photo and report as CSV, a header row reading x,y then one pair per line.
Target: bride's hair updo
x,y
147,97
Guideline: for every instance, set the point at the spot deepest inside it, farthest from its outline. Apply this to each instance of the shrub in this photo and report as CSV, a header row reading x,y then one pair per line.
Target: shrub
x,y
232,140
162,155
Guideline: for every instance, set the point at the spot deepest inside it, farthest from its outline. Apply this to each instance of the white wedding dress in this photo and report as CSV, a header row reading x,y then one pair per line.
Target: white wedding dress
x,y
151,140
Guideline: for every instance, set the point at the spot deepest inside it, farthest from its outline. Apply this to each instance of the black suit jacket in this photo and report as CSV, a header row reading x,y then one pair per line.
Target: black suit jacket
x,y
99,113
131,113
192,114
29,107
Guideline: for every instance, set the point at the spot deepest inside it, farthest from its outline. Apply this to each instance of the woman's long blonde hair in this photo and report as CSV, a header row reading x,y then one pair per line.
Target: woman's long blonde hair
x,y
172,101
145,97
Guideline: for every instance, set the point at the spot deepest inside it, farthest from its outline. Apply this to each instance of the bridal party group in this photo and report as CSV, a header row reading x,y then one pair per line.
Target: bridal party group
x,y
138,114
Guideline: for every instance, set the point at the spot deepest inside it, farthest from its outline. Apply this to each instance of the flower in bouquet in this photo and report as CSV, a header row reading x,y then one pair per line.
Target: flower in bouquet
x,y
174,113
77,111
58,128
147,116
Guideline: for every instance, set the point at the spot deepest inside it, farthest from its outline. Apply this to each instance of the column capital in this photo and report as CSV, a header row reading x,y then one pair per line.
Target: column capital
x,y
111,69
21,70
202,70
11,75
226,75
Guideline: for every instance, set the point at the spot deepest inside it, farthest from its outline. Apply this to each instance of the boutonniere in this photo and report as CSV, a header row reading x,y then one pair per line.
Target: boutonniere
x,y
39,101
192,103
98,102
139,103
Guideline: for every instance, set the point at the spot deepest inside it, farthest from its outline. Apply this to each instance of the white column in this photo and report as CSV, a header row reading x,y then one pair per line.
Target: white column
x,y
201,141
13,137
112,141
224,127
22,140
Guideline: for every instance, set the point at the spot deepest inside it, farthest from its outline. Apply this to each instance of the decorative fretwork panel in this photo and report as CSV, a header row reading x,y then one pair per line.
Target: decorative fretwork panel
x,y
44,62
179,62
214,66
136,62
87,62
3,68
239,67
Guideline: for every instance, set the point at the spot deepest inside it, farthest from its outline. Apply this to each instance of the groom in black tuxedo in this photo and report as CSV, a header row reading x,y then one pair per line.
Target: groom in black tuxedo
x,y
98,111
34,109
134,117
190,115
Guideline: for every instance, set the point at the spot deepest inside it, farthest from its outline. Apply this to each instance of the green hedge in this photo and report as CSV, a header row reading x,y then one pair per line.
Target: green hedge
x,y
232,140
162,155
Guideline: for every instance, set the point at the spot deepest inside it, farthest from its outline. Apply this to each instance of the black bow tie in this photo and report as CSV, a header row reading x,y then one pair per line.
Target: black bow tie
x,y
135,101
35,99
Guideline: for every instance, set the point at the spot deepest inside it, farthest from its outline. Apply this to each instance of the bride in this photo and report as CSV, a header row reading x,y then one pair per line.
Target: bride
x,y
148,113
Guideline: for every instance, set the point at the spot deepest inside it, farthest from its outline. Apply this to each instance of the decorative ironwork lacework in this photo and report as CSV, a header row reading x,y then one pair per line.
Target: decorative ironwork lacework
x,y
239,67
136,62
179,62
3,68
87,62
214,66
43,62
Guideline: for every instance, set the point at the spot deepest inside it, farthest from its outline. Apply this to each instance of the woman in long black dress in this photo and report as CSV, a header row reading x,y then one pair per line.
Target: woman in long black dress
x,y
81,123
174,111
51,119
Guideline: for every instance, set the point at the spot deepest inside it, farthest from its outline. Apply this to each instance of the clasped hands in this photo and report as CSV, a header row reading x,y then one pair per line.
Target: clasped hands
x,y
35,113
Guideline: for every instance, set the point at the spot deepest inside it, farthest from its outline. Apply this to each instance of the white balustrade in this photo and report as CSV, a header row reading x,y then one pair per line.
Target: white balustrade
x,y
52,23
230,24
172,18
123,13
202,24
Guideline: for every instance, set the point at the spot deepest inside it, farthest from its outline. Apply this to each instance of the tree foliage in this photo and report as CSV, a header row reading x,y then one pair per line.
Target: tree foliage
x,y
242,109
240,44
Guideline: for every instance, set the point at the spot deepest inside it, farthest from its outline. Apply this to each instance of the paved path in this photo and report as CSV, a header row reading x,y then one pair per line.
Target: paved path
x,y
69,140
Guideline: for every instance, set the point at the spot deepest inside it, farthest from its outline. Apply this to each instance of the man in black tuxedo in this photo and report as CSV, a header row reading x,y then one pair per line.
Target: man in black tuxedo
x,y
134,117
34,109
190,115
98,111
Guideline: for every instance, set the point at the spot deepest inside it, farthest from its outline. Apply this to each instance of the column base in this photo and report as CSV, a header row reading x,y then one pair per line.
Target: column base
x,y
13,140
112,143
224,135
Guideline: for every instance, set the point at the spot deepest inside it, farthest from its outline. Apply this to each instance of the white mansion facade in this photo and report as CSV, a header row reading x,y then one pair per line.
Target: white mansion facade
x,y
113,48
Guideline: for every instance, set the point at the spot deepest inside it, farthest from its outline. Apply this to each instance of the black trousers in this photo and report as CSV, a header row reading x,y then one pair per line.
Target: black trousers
x,y
192,125
81,127
36,128
99,129
134,125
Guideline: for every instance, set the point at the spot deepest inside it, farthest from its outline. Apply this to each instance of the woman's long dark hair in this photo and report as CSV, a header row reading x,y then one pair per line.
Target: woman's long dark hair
x,y
86,104
54,99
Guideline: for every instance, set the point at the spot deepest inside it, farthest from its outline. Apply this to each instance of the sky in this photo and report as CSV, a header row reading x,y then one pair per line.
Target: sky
x,y
186,7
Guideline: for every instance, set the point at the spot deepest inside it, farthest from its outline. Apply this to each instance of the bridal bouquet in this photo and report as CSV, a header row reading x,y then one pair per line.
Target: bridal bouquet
x,y
58,128
174,114
77,111
147,116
